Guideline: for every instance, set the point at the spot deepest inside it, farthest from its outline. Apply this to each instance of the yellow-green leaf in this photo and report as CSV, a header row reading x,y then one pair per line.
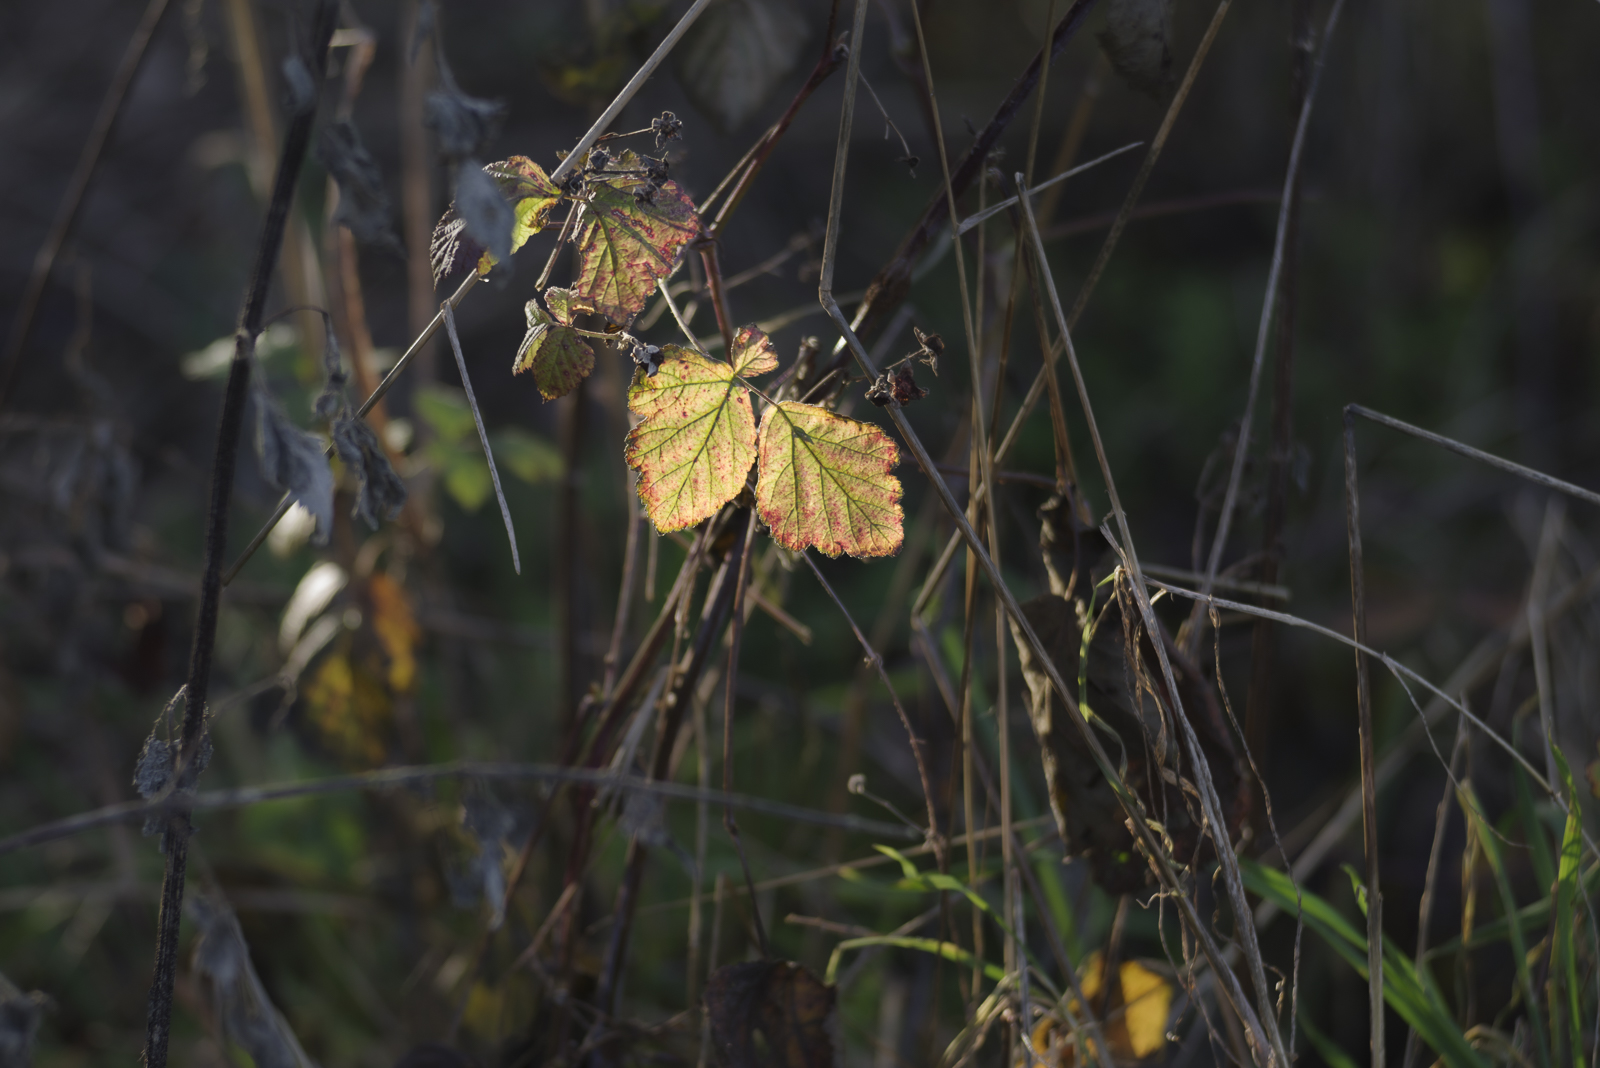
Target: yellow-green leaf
x,y
752,352
695,441
629,237
828,481
555,353
532,196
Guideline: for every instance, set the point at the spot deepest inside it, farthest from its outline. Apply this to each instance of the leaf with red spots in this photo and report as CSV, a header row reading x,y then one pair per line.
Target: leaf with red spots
x,y
552,350
697,437
532,196
827,481
752,352
630,236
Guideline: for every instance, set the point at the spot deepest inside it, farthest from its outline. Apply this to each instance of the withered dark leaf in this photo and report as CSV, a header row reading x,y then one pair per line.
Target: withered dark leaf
x,y
300,89
363,204
451,247
666,128
898,384
380,491
770,1014
292,460
1088,814
649,357
462,123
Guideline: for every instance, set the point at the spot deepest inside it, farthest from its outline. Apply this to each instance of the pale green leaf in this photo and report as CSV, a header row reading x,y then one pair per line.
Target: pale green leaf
x,y
695,441
827,481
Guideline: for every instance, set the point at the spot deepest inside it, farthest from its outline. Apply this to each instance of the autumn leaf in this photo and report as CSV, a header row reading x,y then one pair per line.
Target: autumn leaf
x,y
531,195
825,480
752,352
1134,1020
696,438
553,351
396,629
631,233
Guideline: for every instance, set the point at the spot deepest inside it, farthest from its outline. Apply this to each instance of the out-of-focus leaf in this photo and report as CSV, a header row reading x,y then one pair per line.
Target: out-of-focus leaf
x,y
1137,41
380,491
278,339
350,707
395,626
434,1055
445,410
736,54
630,236
530,458
828,481
461,123
695,441
363,203
313,593
1145,996
483,208
19,1023
770,1014
248,1016
292,460
556,355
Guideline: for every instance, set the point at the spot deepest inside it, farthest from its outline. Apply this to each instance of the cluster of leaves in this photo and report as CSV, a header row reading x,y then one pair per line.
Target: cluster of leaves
x,y
821,479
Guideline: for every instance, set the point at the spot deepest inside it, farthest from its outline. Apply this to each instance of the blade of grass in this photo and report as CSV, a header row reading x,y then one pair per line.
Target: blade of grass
x,y
1412,997
448,312
1369,784
1488,841
1435,853
1564,948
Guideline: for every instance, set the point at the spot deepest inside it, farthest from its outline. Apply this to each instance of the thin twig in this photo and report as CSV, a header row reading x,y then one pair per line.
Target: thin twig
x,y
296,142
137,811
449,314
44,260
736,633
1009,202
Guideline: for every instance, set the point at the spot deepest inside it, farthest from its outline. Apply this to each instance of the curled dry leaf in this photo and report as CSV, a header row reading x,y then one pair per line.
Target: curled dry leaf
x,y
736,54
1134,1014
626,243
771,1014
363,203
19,1023
557,356
1118,692
380,492
696,437
827,481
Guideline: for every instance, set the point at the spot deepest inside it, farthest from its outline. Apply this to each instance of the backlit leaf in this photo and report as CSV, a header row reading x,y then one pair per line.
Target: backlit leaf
x,y
827,481
696,439
752,352
396,628
530,196
556,354
627,241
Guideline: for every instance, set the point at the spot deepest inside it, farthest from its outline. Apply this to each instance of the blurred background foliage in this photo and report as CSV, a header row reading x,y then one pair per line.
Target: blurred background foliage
x,y
1448,274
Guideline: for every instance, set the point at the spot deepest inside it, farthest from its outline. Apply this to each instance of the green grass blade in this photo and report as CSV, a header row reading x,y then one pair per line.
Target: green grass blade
x,y
1490,845
1563,951
1413,996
